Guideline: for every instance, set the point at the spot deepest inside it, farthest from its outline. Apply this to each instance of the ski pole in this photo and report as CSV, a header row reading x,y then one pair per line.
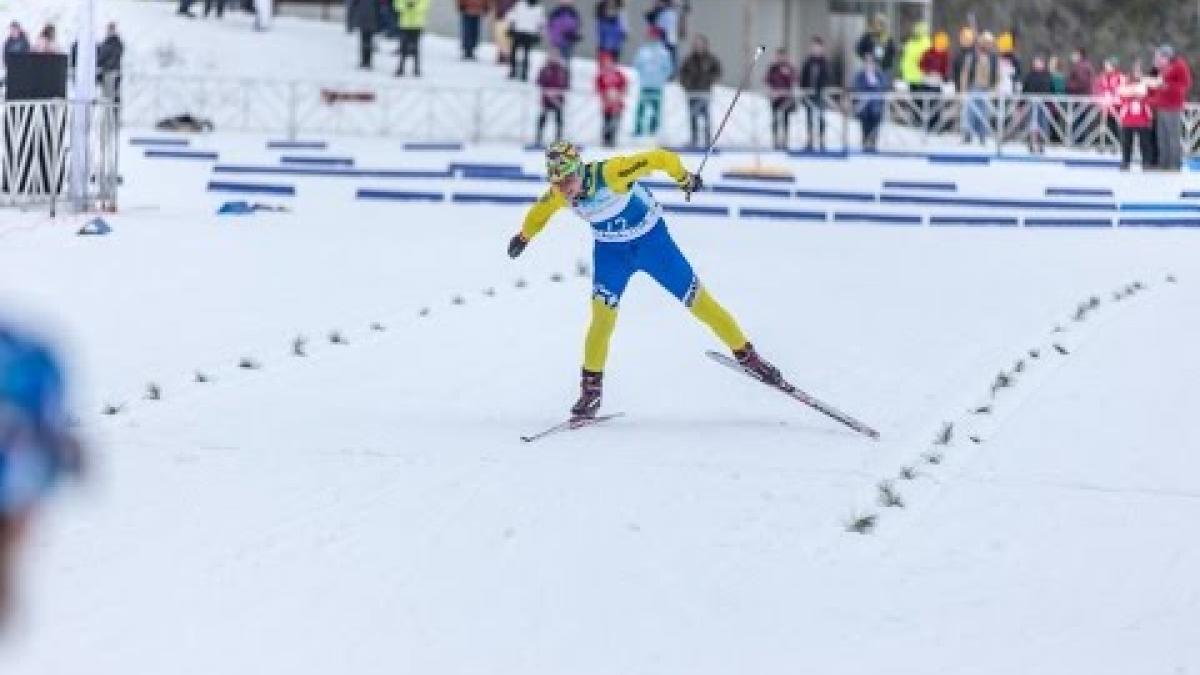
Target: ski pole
x,y
745,80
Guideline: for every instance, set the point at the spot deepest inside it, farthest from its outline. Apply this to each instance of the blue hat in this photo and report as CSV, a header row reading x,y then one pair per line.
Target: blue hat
x,y
35,444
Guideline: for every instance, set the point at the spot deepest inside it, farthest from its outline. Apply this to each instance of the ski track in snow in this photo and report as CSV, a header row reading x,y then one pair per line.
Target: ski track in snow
x,y
972,429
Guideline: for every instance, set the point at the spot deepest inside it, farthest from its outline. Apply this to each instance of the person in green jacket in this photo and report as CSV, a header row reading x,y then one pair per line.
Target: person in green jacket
x,y
411,15
914,48
1058,79
910,71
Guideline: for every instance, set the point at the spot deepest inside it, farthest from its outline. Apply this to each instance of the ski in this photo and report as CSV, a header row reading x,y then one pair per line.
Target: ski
x,y
799,395
571,425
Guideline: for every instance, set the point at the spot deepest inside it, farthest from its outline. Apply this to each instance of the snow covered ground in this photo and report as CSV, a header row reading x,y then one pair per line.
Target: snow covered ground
x,y
368,507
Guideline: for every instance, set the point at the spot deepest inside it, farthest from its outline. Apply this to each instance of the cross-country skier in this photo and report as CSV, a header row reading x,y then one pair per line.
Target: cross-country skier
x,y
631,235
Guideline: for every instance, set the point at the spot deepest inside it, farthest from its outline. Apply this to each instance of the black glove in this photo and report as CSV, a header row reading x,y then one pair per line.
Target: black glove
x,y
692,182
516,245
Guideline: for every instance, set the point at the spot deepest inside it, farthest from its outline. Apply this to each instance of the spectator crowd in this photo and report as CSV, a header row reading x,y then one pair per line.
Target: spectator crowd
x,y
109,53
519,26
949,86
978,86
1073,104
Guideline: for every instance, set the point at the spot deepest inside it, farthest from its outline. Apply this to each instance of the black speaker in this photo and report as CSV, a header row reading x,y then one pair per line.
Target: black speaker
x,y
34,77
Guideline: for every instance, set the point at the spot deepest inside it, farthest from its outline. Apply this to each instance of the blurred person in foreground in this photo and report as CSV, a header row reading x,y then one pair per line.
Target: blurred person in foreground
x,y
37,447
630,235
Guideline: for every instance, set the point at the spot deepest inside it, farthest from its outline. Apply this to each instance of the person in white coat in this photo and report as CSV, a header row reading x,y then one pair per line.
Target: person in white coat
x,y
528,19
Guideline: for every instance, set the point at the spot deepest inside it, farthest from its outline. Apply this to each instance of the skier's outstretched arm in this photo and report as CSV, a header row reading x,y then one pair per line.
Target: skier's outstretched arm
x,y
622,171
535,220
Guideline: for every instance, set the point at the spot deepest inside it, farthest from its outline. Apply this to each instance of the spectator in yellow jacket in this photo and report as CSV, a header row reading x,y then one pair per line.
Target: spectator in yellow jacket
x,y
914,48
411,15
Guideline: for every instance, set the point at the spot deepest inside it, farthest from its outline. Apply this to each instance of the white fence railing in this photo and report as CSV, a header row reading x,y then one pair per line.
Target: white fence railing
x,y
416,111
37,140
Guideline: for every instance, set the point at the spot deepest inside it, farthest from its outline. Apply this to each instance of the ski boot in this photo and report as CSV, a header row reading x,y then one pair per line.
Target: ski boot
x,y
757,366
590,388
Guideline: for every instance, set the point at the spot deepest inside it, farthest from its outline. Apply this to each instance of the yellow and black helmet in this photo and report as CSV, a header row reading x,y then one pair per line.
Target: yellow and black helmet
x,y
562,161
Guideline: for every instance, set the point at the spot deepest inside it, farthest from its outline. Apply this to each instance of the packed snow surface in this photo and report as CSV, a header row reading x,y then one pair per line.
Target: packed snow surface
x,y
369,507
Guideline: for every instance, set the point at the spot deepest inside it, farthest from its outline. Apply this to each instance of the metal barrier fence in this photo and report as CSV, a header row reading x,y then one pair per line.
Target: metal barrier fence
x,y
37,140
411,111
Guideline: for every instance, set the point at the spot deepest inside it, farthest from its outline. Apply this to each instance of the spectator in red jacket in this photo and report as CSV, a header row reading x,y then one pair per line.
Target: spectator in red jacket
x,y
553,80
612,87
1136,119
935,62
1108,86
1170,93
781,84
935,73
